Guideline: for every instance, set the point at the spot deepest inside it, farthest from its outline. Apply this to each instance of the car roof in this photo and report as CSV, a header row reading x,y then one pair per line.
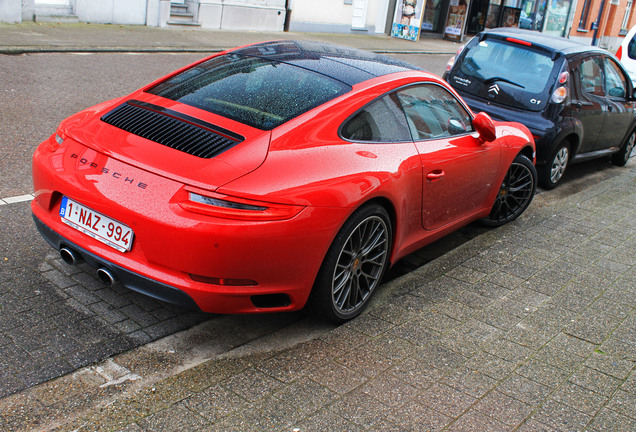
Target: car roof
x,y
565,46
348,65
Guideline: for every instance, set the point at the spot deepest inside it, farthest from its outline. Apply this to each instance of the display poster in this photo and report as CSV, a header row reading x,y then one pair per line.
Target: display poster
x,y
492,18
408,19
511,17
455,22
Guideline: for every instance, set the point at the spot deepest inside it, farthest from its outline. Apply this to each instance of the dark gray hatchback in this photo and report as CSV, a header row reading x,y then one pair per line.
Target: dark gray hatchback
x,y
577,100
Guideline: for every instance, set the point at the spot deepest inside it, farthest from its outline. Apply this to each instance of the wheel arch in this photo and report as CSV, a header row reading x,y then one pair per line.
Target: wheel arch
x,y
528,152
318,296
574,141
572,132
572,138
388,205
630,131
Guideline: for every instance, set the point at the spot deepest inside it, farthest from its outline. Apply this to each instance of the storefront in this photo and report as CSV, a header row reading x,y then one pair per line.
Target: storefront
x,y
548,16
453,19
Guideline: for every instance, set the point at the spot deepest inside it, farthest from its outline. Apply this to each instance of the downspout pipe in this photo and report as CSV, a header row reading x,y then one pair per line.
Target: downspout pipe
x,y
597,23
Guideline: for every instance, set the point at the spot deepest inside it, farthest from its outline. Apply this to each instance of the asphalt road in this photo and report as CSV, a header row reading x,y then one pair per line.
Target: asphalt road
x,y
55,318
40,90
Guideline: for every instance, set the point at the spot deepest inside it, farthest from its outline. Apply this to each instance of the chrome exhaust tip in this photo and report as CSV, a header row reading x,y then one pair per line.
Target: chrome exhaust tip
x,y
106,276
69,256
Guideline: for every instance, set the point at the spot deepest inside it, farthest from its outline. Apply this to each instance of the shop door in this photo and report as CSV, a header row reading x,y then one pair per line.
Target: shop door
x,y
432,20
359,17
477,16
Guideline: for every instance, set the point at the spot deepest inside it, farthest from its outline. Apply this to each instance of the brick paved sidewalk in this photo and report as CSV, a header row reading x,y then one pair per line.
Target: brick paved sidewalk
x,y
530,327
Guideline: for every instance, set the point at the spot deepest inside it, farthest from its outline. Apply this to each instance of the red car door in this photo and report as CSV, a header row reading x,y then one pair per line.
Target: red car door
x,y
458,170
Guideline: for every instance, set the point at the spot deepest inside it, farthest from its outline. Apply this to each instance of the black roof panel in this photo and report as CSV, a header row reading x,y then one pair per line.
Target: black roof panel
x,y
348,65
551,43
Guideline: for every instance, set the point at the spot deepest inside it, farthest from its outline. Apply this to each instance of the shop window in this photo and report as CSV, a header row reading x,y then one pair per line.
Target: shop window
x,y
585,14
625,23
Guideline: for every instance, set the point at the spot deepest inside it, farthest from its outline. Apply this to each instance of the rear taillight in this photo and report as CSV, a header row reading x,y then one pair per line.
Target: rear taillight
x,y
559,95
450,63
226,207
56,141
619,53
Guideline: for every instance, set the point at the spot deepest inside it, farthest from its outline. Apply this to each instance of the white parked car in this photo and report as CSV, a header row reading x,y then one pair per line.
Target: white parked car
x,y
627,53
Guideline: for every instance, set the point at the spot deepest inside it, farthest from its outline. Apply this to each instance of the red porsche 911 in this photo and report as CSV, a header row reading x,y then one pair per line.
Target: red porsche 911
x,y
273,175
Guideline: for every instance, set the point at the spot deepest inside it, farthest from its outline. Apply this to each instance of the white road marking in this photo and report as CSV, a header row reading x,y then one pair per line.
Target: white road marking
x,y
16,199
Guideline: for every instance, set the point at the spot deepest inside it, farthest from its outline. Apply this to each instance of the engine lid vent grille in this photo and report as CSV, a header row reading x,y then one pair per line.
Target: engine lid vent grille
x,y
172,129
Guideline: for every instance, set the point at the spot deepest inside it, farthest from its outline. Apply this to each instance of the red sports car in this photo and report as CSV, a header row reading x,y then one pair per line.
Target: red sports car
x,y
267,176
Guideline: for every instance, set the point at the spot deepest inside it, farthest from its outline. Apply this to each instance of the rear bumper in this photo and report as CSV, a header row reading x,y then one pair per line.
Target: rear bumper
x,y
222,265
127,278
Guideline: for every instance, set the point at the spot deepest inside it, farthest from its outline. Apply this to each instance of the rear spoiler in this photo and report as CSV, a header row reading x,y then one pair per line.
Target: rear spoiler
x,y
553,54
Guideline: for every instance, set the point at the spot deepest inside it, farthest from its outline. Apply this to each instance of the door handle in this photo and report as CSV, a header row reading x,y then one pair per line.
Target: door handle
x,y
435,175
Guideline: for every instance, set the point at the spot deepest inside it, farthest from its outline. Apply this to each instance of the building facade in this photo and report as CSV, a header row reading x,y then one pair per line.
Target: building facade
x,y
602,22
599,22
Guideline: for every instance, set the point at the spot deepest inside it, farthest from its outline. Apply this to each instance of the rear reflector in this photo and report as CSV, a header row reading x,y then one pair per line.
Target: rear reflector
x,y
223,281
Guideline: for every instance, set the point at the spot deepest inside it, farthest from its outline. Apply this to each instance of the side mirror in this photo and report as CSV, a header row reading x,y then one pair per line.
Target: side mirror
x,y
617,92
485,127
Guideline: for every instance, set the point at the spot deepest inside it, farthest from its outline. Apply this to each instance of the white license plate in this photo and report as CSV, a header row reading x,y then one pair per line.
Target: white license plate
x,y
96,225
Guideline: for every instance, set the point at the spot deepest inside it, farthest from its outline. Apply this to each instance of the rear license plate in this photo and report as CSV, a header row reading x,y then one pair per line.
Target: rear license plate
x,y
96,225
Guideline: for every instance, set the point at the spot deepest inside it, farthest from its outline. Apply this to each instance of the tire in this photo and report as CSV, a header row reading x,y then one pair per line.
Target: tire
x,y
515,194
622,156
552,173
354,266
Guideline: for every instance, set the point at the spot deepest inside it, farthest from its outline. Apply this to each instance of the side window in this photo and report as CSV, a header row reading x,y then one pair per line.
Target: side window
x,y
380,121
631,49
591,76
433,112
615,82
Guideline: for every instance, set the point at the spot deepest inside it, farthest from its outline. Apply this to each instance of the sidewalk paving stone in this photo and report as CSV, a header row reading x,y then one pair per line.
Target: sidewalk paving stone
x,y
529,327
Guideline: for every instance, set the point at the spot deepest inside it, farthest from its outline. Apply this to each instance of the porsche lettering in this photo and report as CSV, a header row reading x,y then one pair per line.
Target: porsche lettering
x,y
104,170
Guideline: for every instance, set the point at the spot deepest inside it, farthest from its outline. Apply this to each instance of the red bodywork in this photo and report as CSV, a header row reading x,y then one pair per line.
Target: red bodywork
x,y
303,166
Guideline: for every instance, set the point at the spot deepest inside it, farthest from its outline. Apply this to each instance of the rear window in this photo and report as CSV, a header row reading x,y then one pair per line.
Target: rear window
x,y
258,92
507,64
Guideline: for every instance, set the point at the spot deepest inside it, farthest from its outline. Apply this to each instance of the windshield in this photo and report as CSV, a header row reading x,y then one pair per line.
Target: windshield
x,y
491,62
259,92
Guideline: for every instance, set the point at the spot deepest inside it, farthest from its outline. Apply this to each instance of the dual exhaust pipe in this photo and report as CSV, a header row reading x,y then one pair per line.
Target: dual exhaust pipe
x,y
71,257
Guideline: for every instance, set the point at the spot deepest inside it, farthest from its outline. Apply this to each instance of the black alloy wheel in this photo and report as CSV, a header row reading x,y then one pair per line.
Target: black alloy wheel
x,y
622,156
515,194
354,266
